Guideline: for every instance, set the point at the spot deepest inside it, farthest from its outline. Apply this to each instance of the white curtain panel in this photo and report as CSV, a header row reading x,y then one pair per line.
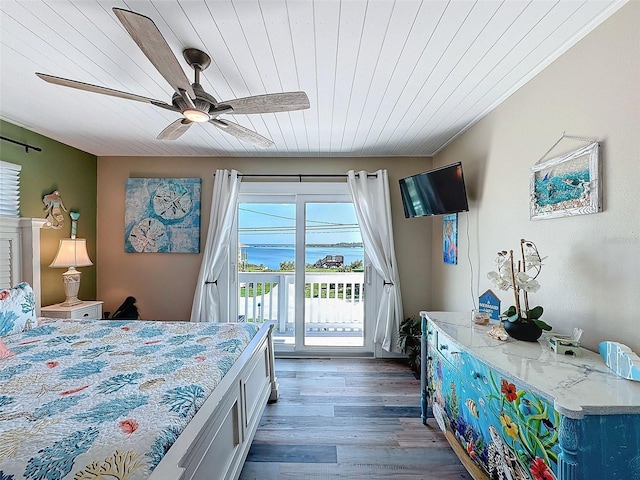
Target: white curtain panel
x,y
370,194
206,301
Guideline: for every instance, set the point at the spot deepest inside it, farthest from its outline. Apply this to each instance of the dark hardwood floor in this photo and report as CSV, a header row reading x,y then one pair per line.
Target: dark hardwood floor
x,y
348,418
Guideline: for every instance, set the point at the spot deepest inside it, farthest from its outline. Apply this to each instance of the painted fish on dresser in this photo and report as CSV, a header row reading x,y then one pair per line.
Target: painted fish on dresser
x,y
472,407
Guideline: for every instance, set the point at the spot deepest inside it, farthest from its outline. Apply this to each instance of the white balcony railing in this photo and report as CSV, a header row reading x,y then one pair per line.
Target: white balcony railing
x,y
333,301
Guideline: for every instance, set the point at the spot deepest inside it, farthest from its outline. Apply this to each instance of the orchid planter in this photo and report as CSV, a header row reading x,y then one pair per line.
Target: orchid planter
x,y
521,321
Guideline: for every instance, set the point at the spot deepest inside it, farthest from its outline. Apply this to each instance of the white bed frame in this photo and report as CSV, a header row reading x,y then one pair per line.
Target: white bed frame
x,y
214,445
20,253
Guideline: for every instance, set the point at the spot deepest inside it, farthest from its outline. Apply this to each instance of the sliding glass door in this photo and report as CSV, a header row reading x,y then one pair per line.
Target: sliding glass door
x,y
300,263
266,263
333,276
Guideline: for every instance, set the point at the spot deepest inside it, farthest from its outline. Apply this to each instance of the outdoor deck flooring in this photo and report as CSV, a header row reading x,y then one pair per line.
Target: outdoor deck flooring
x,y
348,419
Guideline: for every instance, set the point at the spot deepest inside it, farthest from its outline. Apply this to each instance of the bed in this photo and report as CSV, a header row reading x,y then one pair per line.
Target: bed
x,y
133,399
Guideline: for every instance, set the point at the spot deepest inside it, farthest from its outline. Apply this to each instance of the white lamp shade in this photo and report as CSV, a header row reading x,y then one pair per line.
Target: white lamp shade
x,y
72,252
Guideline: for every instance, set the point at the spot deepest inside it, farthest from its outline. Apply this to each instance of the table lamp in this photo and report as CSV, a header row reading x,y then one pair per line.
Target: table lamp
x,y
72,253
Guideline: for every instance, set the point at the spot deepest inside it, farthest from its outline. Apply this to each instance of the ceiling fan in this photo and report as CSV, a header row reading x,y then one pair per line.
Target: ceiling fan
x,y
196,105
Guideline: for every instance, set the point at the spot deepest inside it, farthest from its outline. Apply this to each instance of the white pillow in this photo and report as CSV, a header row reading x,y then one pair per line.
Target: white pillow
x,y
17,309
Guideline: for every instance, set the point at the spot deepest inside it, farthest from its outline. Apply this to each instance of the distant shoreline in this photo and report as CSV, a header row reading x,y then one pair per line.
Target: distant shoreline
x,y
314,245
272,256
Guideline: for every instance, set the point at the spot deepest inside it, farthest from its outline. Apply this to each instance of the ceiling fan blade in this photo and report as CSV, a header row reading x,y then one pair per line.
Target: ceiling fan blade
x,y
145,33
242,133
269,103
175,129
103,90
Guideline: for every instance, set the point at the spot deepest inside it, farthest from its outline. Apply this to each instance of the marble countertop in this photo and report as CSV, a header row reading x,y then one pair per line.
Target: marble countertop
x,y
577,386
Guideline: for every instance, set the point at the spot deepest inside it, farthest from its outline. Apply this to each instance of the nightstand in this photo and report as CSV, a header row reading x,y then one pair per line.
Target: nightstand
x,y
86,309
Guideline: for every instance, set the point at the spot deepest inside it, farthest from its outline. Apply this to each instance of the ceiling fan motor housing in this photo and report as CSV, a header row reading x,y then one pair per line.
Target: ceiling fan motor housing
x,y
203,101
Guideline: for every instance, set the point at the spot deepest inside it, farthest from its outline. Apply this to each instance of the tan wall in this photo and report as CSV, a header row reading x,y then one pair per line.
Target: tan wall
x,y
164,283
591,278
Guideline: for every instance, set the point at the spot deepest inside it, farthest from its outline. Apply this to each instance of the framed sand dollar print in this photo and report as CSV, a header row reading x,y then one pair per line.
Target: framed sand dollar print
x,y
162,215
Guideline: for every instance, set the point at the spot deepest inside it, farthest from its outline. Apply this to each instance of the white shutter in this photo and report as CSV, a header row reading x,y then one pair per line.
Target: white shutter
x,y
9,271
9,189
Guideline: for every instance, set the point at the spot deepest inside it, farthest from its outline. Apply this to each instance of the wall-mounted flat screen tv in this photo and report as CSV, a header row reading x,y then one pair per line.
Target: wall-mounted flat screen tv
x,y
435,192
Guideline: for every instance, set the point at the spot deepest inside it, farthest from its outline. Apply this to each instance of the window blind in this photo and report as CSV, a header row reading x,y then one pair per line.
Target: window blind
x,y
9,189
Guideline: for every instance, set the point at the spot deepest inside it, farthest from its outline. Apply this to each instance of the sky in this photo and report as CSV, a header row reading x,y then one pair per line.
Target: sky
x,y
274,224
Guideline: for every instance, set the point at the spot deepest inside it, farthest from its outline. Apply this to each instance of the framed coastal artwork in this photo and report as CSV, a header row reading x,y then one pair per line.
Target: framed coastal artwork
x,y
450,238
162,215
566,185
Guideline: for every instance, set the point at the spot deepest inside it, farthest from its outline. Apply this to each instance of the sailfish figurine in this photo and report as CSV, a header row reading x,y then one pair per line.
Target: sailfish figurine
x,y
620,359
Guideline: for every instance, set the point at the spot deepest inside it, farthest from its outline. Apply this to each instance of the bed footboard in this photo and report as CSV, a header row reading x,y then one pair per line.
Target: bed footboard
x,y
215,444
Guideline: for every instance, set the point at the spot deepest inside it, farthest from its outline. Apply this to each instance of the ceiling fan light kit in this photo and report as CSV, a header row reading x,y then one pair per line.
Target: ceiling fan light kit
x,y
196,115
189,99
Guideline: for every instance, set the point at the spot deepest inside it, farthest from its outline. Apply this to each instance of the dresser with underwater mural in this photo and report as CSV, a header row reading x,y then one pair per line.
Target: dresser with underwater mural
x,y
516,410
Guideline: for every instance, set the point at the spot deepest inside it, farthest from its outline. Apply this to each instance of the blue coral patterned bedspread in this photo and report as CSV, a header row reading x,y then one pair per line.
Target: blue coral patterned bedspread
x,y
87,399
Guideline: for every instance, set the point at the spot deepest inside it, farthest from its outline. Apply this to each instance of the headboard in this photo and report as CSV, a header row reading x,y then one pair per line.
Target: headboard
x,y
20,253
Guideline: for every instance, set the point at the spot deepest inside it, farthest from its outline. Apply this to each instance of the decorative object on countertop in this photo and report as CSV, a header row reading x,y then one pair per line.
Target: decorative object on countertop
x,y
479,317
567,344
566,185
498,332
621,359
54,208
523,330
522,322
490,304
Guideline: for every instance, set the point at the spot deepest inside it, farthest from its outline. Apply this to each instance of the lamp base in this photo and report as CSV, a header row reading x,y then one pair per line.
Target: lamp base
x,y
71,279
70,302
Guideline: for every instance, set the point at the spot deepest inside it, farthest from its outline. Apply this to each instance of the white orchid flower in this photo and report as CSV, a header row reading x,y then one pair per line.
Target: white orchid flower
x,y
513,274
499,280
532,286
533,261
493,276
526,283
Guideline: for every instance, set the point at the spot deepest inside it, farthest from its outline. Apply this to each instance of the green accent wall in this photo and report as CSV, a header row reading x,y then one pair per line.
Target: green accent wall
x,y
74,174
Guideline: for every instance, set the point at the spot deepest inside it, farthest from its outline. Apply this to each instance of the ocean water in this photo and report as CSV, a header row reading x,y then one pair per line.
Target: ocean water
x,y
270,256
551,190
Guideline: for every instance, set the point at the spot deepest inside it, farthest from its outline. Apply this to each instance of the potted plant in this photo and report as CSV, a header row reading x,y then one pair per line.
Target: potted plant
x,y
522,322
409,341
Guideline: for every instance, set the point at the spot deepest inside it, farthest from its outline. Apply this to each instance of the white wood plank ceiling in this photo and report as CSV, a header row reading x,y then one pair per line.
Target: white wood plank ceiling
x,y
384,78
